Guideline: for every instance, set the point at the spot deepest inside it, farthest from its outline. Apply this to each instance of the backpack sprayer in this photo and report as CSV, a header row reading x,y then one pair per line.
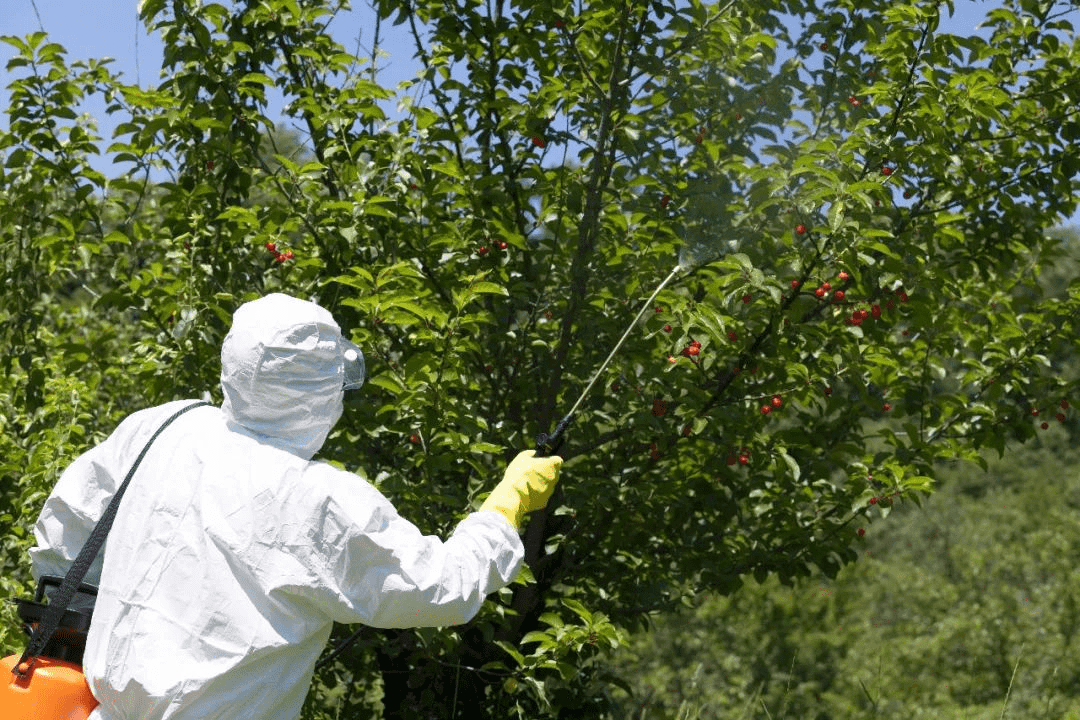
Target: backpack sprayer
x,y
46,682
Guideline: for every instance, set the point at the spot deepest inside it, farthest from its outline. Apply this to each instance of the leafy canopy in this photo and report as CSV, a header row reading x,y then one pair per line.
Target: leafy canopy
x,y
855,203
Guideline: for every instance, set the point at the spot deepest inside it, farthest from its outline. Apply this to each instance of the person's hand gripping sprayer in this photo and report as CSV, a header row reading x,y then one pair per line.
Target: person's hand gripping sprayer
x,y
526,487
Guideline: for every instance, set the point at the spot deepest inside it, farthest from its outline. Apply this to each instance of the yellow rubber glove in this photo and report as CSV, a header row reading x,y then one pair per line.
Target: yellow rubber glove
x,y
526,486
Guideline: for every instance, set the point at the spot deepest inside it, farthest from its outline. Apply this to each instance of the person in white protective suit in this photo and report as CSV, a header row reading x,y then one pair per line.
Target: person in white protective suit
x,y
233,552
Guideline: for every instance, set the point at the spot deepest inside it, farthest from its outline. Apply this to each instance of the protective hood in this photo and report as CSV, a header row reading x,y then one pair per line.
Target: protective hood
x,y
283,373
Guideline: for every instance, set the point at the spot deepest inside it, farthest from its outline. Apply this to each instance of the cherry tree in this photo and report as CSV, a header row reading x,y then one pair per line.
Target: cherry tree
x,y
848,209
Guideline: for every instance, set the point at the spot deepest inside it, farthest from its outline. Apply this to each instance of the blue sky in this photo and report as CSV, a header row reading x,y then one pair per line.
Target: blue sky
x,y
111,28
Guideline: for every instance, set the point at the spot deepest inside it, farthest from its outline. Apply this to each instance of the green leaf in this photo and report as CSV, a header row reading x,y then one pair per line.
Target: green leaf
x,y
488,288
793,466
387,382
578,609
511,651
743,261
536,636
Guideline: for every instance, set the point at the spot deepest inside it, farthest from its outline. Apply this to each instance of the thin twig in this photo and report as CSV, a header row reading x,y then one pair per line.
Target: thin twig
x,y
1008,692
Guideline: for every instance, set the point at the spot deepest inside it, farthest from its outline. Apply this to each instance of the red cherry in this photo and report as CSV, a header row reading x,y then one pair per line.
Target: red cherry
x,y
667,328
874,500
838,295
732,336
659,407
272,247
875,312
503,245
862,532
1060,417
765,409
483,250
1045,425
746,299
694,350
1034,411
288,255
414,439
777,401
800,229
538,141
886,171
844,275
886,407
744,459
795,284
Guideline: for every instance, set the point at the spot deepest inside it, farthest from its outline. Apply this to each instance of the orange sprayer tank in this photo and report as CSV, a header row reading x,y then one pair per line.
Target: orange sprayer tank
x,y
54,690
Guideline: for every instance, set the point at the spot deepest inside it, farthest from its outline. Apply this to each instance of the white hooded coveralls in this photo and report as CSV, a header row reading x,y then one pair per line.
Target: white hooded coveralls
x,y
233,552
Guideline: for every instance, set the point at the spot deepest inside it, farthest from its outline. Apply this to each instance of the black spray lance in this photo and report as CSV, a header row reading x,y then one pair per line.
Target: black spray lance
x,y
697,251
548,443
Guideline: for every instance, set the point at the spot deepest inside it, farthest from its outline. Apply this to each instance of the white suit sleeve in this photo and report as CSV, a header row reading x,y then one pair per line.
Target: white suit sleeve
x,y
373,566
70,514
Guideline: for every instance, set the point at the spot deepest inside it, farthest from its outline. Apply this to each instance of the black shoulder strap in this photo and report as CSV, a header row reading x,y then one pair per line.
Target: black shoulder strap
x,y
59,601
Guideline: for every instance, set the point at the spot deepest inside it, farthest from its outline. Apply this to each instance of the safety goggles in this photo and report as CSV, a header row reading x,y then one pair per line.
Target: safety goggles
x,y
355,370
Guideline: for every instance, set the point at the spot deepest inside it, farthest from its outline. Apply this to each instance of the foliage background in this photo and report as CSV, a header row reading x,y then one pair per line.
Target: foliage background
x,y
963,608
858,205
